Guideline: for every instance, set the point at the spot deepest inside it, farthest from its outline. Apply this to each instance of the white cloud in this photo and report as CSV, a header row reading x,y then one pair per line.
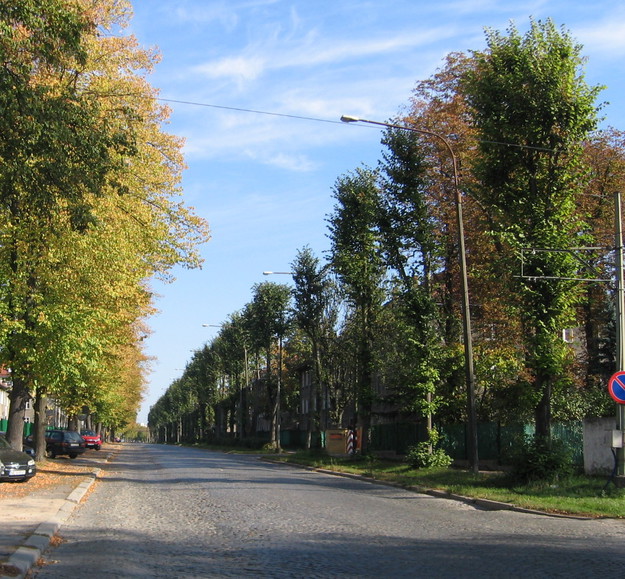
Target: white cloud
x,y
309,53
607,37
190,13
240,68
282,160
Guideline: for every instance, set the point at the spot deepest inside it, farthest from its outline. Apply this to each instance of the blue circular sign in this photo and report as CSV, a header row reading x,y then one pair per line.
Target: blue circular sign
x,y
616,387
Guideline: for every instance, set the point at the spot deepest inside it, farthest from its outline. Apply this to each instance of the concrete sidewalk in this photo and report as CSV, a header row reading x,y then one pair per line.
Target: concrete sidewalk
x,y
27,524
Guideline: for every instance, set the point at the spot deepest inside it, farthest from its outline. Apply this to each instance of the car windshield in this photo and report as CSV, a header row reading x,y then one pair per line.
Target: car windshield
x,y
87,432
4,443
71,435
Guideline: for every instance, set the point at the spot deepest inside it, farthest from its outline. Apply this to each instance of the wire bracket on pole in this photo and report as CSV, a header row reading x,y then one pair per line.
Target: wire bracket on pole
x,y
586,266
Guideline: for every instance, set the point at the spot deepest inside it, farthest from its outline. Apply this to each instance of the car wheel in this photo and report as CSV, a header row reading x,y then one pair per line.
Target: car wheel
x,y
50,453
97,448
73,455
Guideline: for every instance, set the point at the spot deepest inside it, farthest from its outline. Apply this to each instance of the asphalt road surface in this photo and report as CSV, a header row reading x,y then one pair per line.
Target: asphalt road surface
x,y
164,511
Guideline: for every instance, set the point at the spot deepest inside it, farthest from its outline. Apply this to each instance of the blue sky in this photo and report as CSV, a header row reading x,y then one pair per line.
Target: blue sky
x,y
264,181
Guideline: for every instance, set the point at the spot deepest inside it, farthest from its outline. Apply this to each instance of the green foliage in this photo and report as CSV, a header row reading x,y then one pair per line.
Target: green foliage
x,y
355,256
394,256
537,458
528,190
428,454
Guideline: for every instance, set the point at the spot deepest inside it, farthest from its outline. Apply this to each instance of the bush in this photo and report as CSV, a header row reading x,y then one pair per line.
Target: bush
x,y
419,456
540,459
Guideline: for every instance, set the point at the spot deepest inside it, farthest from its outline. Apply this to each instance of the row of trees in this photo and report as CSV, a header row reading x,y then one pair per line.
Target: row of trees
x,y
89,205
381,321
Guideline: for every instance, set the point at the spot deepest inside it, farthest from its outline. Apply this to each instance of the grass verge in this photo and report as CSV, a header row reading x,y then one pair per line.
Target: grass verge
x,y
578,495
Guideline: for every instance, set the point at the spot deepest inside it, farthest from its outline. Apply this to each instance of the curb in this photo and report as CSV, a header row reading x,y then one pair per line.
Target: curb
x,y
30,551
486,504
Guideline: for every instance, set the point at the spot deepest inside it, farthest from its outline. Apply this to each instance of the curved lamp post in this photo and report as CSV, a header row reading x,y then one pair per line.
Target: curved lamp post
x,y
466,316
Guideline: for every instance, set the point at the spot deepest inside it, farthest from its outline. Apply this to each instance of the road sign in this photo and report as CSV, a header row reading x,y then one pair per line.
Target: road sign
x,y
616,387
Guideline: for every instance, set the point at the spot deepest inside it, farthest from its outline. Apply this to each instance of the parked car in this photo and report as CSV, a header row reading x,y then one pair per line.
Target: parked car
x,y
14,464
27,447
27,444
64,442
92,440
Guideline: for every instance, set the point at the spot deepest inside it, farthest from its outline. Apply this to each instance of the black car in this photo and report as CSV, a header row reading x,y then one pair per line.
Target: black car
x,y
15,465
64,442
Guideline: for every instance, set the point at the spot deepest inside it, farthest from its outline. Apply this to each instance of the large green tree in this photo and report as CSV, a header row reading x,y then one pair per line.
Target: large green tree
x,y
315,313
268,323
413,251
50,138
532,110
356,257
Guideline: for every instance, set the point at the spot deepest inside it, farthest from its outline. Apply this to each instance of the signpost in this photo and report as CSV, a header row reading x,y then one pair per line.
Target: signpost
x,y
616,387
615,384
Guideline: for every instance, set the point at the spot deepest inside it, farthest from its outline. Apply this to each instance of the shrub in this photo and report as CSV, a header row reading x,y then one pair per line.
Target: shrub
x,y
541,459
420,456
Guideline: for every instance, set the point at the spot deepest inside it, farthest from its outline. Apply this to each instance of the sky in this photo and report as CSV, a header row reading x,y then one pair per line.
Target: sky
x,y
257,89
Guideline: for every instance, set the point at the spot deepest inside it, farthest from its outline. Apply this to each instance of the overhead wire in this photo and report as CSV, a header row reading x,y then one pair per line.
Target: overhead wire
x,y
318,120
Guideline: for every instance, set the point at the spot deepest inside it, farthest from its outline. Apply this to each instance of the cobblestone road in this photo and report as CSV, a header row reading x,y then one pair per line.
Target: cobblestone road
x,y
177,512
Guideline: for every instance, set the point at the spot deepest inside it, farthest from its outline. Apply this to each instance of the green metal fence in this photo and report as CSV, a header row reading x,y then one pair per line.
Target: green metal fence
x,y
494,440
28,426
397,437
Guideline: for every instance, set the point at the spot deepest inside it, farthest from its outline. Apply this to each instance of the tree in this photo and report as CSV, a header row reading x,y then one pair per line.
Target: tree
x,y
269,321
414,251
529,186
315,314
87,188
355,256
604,158
233,350
50,138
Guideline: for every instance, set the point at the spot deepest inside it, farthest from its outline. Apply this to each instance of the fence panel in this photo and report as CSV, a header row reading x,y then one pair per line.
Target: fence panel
x,y
397,437
572,434
495,441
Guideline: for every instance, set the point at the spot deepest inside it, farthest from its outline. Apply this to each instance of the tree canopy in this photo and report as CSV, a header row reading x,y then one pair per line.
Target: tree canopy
x,y
90,198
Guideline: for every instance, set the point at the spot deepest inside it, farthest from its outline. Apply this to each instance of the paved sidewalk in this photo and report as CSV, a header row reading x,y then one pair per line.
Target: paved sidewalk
x,y
28,523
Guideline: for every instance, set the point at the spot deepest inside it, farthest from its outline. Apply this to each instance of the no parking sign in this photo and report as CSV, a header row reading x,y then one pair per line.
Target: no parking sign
x,y
616,387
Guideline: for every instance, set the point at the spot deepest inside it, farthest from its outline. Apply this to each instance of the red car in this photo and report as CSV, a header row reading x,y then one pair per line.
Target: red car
x,y
92,440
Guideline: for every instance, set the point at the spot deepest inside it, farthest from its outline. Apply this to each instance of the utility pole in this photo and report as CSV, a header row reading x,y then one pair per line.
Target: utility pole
x,y
620,333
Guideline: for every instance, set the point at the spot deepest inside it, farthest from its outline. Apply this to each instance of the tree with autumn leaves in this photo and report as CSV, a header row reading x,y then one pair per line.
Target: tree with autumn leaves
x,y
537,178
90,202
534,177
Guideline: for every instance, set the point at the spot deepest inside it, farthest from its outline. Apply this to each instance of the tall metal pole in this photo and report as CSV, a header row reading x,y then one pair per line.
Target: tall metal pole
x,y
472,450
620,326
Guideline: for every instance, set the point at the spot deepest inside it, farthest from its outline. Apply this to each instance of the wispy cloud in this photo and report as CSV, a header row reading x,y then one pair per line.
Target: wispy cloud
x,y
606,37
256,60
239,68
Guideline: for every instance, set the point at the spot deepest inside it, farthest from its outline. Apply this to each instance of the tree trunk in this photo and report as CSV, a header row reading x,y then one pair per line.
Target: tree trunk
x,y
542,412
19,397
39,439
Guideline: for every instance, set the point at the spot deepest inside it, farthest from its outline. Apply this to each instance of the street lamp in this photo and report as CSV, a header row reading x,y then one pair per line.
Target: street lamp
x,y
466,316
